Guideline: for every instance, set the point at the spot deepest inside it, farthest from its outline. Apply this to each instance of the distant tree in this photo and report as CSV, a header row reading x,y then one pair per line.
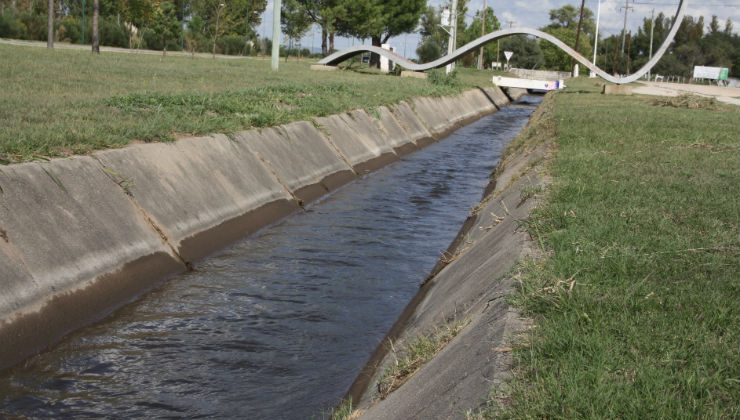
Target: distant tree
x,y
555,58
360,18
728,27
474,31
714,25
165,24
433,38
563,25
294,21
380,20
325,13
527,51
567,17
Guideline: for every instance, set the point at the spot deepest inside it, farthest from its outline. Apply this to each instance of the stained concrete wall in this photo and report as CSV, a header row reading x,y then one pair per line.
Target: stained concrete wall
x,y
191,186
415,129
63,225
301,157
83,235
471,287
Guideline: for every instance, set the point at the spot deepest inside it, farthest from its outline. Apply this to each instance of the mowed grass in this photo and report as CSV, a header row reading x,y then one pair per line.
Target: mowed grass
x,y
637,301
62,102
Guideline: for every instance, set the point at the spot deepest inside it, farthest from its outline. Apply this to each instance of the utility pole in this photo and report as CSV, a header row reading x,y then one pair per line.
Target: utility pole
x,y
578,36
482,33
580,25
596,37
95,33
627,8
50,25
276,9
452,43
652,32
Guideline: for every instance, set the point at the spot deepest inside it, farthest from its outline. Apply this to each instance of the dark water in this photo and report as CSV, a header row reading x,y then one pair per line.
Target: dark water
x,y
278,325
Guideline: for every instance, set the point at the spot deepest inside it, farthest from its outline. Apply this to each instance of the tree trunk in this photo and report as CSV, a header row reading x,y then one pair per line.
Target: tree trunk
x,y
331,42
50,21
95,34
375,58
324,48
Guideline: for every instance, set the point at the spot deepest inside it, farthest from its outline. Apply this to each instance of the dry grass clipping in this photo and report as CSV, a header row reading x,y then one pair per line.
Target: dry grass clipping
x,y
688,101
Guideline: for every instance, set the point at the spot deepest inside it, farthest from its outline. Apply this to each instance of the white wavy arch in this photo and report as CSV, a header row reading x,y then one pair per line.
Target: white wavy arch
x,y
338,57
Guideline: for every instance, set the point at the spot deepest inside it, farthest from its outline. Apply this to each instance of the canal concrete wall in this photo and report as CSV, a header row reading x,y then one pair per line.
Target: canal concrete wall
x,y
415,129
471,288
301,157
83,235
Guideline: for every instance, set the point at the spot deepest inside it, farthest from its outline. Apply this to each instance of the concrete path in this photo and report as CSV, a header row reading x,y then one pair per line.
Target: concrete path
x,y
723,94
86,47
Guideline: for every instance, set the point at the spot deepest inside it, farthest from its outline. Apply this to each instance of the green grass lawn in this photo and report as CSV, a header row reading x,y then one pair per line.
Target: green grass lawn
x,y
63,102
642,221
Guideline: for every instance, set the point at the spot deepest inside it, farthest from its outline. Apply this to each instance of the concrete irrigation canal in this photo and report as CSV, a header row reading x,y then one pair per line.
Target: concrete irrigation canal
x,y
279,324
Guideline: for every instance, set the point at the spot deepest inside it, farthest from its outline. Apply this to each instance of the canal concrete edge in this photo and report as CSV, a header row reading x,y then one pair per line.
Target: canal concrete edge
x,y
81,236
470,283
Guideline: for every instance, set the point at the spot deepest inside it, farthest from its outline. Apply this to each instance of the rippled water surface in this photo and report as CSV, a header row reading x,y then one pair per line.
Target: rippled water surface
x,y
277,325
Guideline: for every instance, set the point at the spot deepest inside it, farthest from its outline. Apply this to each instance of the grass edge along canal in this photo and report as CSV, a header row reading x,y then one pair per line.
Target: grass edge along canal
x,y
636,301
59,103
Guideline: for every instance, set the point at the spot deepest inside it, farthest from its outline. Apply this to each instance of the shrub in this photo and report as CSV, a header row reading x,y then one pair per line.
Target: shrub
x,y
11,26
69,30
439,77
231,44
35,26
112,34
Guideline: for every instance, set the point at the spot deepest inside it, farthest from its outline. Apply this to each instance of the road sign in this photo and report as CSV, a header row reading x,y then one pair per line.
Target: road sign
x,y
724,74
711,73
508,55
445,17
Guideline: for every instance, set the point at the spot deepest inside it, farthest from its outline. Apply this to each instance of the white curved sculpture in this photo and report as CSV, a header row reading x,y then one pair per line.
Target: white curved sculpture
x,y
338,57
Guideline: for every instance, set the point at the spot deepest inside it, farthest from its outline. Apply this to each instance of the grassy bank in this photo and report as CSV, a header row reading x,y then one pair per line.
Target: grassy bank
x,y
62,102
637,300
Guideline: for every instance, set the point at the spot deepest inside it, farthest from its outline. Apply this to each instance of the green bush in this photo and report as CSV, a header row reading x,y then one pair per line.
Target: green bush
x,y
69,30
11,26
231,45
112,34
35,26
153,41
439,77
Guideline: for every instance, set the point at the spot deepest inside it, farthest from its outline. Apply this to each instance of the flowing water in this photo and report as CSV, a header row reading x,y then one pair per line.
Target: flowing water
x,y
279,324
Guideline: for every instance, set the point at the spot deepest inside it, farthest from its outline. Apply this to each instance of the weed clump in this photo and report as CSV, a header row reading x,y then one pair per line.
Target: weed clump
x,y
416,353
345,411
439,77
688,101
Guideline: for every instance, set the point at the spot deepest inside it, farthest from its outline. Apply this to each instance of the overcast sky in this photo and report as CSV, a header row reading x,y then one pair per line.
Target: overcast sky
x,y
534,14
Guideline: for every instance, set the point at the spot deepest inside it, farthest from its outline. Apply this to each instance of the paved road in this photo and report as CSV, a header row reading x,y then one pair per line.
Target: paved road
x,y
727,95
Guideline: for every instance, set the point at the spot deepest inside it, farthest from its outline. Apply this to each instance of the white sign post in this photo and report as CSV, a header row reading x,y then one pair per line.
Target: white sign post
x,y
508,55
386,65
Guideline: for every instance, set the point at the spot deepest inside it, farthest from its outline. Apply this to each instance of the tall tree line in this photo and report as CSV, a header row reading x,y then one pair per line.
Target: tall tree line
x,y
376,20
224,26
697,43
